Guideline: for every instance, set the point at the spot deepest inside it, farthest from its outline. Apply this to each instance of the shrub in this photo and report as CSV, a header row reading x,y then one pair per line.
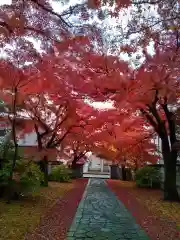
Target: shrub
x,y
60,174
6,156
30,177
4,175
148,177
27,176
26,179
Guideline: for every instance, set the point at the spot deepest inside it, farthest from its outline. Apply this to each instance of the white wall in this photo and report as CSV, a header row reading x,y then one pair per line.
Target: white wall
x,y
96,163
29,139
85,167
157,141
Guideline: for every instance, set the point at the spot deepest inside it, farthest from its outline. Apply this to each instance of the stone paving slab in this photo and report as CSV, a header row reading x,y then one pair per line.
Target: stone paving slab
x,y
101,216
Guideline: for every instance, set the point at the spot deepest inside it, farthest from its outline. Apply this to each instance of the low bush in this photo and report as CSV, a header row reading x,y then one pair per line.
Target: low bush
x,y
27,176
26,180
60,174
148,177
30,177
6,156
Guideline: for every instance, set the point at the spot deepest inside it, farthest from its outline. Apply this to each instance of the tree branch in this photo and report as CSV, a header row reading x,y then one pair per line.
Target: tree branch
x,y
56,143
151,120
50,11
5,25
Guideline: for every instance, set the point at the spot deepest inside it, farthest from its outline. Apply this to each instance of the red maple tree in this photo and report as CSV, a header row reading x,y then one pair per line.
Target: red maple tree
x,y
16,84
71,66
151,91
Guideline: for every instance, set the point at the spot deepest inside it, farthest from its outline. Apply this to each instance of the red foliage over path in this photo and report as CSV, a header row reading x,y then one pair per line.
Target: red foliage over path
x,y
158,228
55,224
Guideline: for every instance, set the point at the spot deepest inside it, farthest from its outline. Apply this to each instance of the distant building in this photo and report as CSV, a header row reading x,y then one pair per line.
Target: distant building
x,y
158,143
28,142
96,166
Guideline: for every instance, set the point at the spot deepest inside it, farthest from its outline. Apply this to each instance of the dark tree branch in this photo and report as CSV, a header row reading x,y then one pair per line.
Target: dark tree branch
x,y
39,137
146,2
6,26
50,11
57,142
55,133
150,120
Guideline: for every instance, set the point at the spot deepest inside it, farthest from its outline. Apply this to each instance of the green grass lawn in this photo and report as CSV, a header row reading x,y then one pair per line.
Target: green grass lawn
x,y
23,216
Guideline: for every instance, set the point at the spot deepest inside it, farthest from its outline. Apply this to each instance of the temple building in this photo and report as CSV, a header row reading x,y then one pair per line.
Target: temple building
x,y
96,167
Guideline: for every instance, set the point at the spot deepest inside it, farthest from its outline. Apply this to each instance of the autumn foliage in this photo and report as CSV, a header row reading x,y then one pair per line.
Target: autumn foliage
x,y
48,89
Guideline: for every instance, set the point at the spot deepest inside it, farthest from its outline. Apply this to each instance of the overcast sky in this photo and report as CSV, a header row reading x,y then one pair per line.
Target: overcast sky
x,y
8,2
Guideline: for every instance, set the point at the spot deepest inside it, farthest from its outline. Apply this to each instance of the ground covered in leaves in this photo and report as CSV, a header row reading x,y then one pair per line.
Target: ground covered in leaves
x,y
56,222
20,217
159,218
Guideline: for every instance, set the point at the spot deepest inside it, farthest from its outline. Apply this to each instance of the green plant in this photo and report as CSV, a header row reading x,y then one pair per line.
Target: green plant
x,y
4,175
60,174
148,177
30,177
27,175
6,154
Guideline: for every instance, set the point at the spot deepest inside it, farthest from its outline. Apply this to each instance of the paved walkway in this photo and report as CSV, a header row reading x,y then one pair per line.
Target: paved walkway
x,y
101,216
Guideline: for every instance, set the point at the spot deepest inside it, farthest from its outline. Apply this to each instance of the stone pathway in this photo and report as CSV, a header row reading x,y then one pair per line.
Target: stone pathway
x,y
101,216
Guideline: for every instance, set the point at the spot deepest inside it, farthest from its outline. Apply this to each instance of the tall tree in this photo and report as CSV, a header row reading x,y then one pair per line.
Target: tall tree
x,y
152,90
16,84
51,119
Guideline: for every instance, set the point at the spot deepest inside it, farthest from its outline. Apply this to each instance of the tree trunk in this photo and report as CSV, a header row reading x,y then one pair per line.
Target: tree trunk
x,y
43,164
1,191
1,163
74,163
170,188
123,172
10,187
44,168
76,169
170,161
14,137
